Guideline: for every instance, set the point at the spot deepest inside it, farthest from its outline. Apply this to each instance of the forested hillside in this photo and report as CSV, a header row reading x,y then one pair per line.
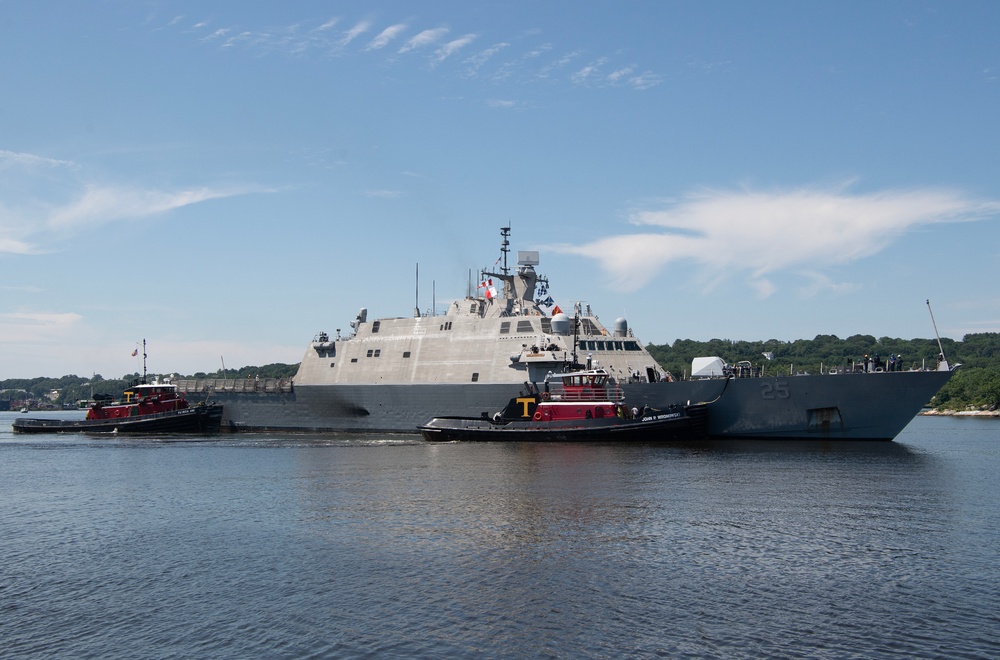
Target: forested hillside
x,y
976,384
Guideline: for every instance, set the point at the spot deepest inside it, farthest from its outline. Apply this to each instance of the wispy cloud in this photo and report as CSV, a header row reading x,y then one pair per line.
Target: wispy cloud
x,y
13,159
359,29
424,39
328,25
101,204
589,72
46,201
326,37
754,235
386,36
477,61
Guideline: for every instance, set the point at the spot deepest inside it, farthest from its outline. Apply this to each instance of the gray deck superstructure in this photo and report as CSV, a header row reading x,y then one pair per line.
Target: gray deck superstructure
x,y
392,374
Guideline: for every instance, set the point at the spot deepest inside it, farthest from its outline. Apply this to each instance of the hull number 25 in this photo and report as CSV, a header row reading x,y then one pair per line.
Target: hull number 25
x,y
776,390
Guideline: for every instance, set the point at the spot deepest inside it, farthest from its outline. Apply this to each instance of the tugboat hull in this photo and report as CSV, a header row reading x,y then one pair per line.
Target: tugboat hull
x,y
197,419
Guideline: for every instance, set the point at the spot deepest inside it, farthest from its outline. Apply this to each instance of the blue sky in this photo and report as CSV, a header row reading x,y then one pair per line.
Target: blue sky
x,y
227,179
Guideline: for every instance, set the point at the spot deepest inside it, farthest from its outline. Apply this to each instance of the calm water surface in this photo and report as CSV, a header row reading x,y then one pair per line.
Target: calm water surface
x,y
300,546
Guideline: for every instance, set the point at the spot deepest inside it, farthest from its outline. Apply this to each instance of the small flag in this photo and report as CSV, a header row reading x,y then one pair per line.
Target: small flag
x,y
491,291
556,310
135,352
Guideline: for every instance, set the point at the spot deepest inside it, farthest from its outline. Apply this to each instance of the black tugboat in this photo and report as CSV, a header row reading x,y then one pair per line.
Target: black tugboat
x,y
581,407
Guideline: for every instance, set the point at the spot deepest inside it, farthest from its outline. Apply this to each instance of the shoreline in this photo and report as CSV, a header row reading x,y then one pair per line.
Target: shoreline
x,y
960,413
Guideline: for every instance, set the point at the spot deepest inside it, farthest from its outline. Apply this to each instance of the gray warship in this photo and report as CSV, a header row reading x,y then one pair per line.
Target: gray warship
x,y
390,375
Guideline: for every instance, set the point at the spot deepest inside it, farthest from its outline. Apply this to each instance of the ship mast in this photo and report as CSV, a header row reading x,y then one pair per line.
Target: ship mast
x,y
505,247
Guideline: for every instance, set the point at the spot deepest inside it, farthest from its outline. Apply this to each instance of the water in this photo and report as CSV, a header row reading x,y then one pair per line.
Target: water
x,y
299,546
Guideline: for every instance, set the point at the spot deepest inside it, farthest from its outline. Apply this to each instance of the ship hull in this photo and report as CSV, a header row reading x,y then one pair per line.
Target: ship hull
x,y
814,407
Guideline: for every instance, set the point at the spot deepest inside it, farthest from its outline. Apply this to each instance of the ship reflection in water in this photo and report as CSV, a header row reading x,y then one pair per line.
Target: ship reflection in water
x,y
263,545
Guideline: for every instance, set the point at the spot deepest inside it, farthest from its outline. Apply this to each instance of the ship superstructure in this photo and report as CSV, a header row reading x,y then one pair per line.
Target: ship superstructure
x,y
502,335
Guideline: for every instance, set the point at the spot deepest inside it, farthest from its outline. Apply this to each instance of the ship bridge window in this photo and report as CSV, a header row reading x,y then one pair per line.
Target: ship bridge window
x,y
374,352
505,328
524,326
375,326
632,346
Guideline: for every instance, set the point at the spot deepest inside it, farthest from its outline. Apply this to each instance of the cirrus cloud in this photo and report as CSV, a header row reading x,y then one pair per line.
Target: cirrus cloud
x,y
758,234
45,201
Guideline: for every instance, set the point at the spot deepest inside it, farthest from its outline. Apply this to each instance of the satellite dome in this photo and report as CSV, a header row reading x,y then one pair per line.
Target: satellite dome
x,y
560,324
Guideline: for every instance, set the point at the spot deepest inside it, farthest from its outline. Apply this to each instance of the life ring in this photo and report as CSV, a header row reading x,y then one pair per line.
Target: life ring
x,y
537,417
545,396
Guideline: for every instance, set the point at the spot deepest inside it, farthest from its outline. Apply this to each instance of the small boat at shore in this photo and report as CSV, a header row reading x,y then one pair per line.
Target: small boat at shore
x,y
147,408
582,406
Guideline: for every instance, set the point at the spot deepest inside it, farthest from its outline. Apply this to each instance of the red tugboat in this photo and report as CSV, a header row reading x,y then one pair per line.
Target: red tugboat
x,y
147,408
583,405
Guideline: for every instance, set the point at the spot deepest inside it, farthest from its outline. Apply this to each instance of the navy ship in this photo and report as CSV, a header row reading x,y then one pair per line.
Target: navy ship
x,y
393,374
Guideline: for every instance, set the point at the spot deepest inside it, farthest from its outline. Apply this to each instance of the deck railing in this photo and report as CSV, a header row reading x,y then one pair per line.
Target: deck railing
x,y
207,385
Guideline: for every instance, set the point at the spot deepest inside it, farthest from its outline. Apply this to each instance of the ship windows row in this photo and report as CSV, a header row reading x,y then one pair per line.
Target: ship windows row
x,y
525,326
627,345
